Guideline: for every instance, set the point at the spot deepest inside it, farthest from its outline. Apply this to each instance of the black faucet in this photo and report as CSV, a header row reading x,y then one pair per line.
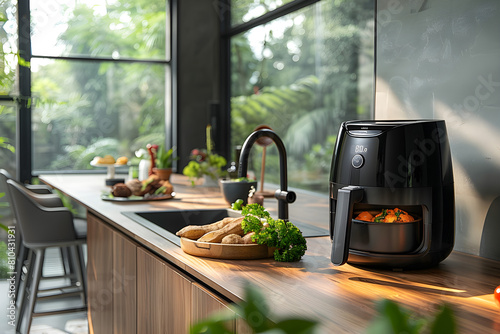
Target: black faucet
x,y
282,195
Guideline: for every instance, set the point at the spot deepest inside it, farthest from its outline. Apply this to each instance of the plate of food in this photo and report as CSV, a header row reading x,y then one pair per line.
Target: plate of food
x,y
151,189
111,198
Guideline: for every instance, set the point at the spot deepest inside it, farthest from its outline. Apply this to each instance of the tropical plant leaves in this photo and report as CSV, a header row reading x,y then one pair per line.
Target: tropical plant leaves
x,y
254,310
393,319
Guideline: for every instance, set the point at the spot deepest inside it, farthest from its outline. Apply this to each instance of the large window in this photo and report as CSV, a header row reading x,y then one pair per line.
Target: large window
x,y
301,69
98,80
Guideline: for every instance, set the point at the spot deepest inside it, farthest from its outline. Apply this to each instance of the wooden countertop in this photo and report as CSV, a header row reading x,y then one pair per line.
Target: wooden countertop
x,y
341,298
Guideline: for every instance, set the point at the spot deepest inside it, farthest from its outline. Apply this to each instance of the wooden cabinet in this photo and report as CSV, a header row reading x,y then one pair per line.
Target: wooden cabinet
x,y
151,287
164,297
206,303
179,303
131,290
111,275
99,276
124,285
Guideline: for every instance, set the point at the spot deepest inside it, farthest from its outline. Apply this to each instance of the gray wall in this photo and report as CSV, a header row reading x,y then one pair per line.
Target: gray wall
x,y
198,72
441,59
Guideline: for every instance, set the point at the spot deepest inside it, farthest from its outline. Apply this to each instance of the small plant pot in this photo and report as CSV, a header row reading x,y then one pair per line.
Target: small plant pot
x,y
163,173
233,190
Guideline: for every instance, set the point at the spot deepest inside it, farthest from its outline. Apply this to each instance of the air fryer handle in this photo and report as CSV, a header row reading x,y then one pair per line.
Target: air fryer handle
x,y
346,198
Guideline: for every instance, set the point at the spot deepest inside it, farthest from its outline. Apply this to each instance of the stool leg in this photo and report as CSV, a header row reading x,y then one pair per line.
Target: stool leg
x,y
27,283
83,266
79,271
67,262
37,273
22,255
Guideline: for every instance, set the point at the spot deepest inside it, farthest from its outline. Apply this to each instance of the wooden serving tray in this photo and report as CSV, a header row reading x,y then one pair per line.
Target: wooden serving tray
x,y
226,251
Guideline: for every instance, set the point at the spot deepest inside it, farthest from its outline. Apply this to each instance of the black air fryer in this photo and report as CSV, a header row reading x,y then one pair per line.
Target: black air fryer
x,y
380,165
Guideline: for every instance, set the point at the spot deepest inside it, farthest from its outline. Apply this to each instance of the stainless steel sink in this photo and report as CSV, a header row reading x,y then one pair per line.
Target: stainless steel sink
x,y
167,223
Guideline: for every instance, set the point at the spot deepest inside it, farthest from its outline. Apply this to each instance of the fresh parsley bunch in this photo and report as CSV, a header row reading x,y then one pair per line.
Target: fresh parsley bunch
x,y
288,240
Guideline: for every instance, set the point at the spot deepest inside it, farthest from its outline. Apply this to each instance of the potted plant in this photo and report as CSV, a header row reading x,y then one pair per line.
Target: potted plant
x,y
234,189
163,160
205,164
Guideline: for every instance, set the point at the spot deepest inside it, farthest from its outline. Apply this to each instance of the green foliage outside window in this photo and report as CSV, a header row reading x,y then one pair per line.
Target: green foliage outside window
x,y
302,74
90,107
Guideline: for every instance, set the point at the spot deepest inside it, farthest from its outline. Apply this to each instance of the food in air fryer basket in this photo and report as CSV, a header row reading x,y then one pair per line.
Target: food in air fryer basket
x,y
386,216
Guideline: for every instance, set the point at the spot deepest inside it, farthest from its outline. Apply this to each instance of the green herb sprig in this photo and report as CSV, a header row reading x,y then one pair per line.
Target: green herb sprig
x,y
286,237
381,217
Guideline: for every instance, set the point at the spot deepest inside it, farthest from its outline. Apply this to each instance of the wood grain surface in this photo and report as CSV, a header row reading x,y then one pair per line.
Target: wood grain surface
x,y
226,251
124,287
100,270
341,298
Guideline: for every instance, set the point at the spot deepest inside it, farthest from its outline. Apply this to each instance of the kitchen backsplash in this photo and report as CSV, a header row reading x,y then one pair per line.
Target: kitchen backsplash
x,y
441,59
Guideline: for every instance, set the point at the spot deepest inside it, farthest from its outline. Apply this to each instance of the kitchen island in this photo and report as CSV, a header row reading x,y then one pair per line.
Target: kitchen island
x,y
134,260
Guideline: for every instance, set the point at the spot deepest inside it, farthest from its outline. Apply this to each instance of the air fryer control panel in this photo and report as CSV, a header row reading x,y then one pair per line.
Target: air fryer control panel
x,y
394,154
358,160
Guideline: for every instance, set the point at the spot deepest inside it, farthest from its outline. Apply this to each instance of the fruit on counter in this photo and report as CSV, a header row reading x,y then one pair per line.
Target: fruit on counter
x,y
496,294
386,216
122,161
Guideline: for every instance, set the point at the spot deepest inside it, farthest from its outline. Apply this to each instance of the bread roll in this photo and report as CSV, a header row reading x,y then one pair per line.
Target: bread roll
x,y
122,161
232,239
107,160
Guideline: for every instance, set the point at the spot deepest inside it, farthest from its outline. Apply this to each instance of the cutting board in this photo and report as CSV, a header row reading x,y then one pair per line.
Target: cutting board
x,y
226,251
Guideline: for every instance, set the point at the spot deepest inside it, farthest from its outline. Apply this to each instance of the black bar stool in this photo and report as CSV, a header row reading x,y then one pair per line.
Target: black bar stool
x,y
44,226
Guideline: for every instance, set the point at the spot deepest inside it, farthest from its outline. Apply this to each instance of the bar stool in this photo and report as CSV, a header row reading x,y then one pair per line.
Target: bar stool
x,y
45,227
43,195
21,251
